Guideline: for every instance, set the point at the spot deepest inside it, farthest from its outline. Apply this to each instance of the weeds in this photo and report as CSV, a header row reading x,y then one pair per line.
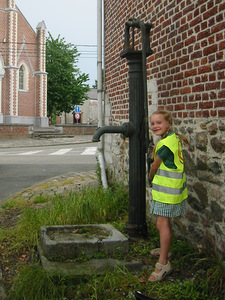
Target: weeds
x,y
195,276
43,286
214,272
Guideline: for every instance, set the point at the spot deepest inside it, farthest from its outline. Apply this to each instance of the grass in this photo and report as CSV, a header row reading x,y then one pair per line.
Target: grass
x,y
196,276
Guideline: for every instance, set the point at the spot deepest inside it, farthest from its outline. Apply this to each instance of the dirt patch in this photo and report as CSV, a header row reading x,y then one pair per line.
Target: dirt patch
x,y
9,218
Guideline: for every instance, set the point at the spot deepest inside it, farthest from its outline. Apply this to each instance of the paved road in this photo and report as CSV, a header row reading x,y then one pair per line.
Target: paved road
x,y
23,167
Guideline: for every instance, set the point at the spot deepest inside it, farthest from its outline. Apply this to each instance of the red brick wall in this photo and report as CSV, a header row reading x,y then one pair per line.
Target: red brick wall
x,y
78,129
29,55
22,131
15,131
188,40
3,4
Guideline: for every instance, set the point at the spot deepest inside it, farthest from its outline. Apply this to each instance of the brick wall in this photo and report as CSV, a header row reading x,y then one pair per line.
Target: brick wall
x,y
77,129
28,100
188,41
185,75
24,131
15,131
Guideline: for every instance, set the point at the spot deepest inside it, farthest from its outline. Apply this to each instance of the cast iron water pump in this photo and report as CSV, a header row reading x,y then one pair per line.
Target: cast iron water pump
x,y
137,127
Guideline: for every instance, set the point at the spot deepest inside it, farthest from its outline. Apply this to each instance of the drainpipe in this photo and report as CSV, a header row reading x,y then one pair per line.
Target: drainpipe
x,y
99,90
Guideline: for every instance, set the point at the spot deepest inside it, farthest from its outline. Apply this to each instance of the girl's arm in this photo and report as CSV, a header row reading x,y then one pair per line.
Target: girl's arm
x,y
154,167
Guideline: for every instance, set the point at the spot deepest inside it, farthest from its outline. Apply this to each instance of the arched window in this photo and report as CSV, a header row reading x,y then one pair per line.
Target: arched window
x,y
23,77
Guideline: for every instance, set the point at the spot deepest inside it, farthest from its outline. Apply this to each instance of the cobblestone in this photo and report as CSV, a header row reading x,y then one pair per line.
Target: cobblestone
x,y
58,185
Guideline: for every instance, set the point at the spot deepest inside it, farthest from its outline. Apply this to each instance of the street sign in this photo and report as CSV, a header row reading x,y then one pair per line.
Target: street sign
x,y
77,109
77,116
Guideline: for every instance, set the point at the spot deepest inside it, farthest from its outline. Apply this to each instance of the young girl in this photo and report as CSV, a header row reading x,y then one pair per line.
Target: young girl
x,y
169,190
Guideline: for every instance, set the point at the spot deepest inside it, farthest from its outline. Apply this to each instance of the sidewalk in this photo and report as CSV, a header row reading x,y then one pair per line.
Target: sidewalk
x,y
29,142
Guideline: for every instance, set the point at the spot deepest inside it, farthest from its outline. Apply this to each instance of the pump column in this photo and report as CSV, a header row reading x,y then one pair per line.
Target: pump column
x,y
136,226
138,106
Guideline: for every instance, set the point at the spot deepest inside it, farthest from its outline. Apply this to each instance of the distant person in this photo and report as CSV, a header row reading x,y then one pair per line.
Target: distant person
x,y
169,190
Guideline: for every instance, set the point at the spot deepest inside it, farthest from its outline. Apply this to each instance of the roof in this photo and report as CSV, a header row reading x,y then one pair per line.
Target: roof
x,y
92,94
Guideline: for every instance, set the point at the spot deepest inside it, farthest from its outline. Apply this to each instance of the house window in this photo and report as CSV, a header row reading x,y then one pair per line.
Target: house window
x,y
23,78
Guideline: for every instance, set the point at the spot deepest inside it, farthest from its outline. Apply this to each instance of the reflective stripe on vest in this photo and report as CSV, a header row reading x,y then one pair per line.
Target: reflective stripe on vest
x,y
168,190
169,174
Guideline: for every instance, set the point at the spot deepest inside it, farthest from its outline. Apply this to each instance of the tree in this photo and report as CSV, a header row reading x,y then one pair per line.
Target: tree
x,y
67,86
95,85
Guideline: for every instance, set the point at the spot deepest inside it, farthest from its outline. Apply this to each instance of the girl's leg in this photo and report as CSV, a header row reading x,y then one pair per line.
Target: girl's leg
x,y
163,225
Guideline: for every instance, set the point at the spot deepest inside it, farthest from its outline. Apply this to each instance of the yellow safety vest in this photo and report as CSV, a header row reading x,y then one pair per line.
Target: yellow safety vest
x,y
169,185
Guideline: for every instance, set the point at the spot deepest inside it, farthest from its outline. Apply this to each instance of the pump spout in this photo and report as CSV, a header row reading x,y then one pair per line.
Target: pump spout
x,y
126,129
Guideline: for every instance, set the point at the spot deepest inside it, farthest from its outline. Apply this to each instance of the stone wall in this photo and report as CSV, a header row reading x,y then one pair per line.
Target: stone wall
x,y
204,165
185,75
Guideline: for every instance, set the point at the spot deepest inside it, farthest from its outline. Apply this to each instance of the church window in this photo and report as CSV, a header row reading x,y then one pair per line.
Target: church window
x,y
23,78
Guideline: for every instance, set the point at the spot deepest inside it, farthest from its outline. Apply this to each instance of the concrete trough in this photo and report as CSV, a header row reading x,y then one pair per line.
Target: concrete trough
x,y
58,243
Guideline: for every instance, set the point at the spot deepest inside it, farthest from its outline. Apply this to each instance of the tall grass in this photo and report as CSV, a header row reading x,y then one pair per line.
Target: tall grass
x,y
93,206
90,206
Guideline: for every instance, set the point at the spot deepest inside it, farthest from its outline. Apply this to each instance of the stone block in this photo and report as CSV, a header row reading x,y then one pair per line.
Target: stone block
x,y
90,267
71,242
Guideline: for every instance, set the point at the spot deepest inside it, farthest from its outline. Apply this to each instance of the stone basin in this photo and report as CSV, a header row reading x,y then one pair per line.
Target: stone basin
x,y
71,242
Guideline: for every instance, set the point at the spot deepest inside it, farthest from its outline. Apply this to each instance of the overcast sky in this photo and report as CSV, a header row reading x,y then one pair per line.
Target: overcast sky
x,y
74,20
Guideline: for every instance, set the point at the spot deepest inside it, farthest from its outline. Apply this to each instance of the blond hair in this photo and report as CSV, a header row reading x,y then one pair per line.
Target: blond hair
x,y
168,117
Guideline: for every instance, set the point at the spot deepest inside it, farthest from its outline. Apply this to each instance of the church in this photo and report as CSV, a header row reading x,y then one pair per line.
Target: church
x,y
23,77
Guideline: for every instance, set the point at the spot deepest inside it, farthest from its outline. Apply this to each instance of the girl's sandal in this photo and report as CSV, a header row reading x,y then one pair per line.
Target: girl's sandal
x,y
156,253
164,271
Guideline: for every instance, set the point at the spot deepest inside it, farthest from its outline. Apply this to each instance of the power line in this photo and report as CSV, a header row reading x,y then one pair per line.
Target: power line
x,y
30,43
88,53
35,51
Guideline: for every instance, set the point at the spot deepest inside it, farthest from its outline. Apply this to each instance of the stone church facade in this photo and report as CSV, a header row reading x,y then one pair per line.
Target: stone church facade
x,y
185,75
23,79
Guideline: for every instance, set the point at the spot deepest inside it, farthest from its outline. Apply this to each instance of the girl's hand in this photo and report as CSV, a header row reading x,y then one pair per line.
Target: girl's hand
x,y
154,167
